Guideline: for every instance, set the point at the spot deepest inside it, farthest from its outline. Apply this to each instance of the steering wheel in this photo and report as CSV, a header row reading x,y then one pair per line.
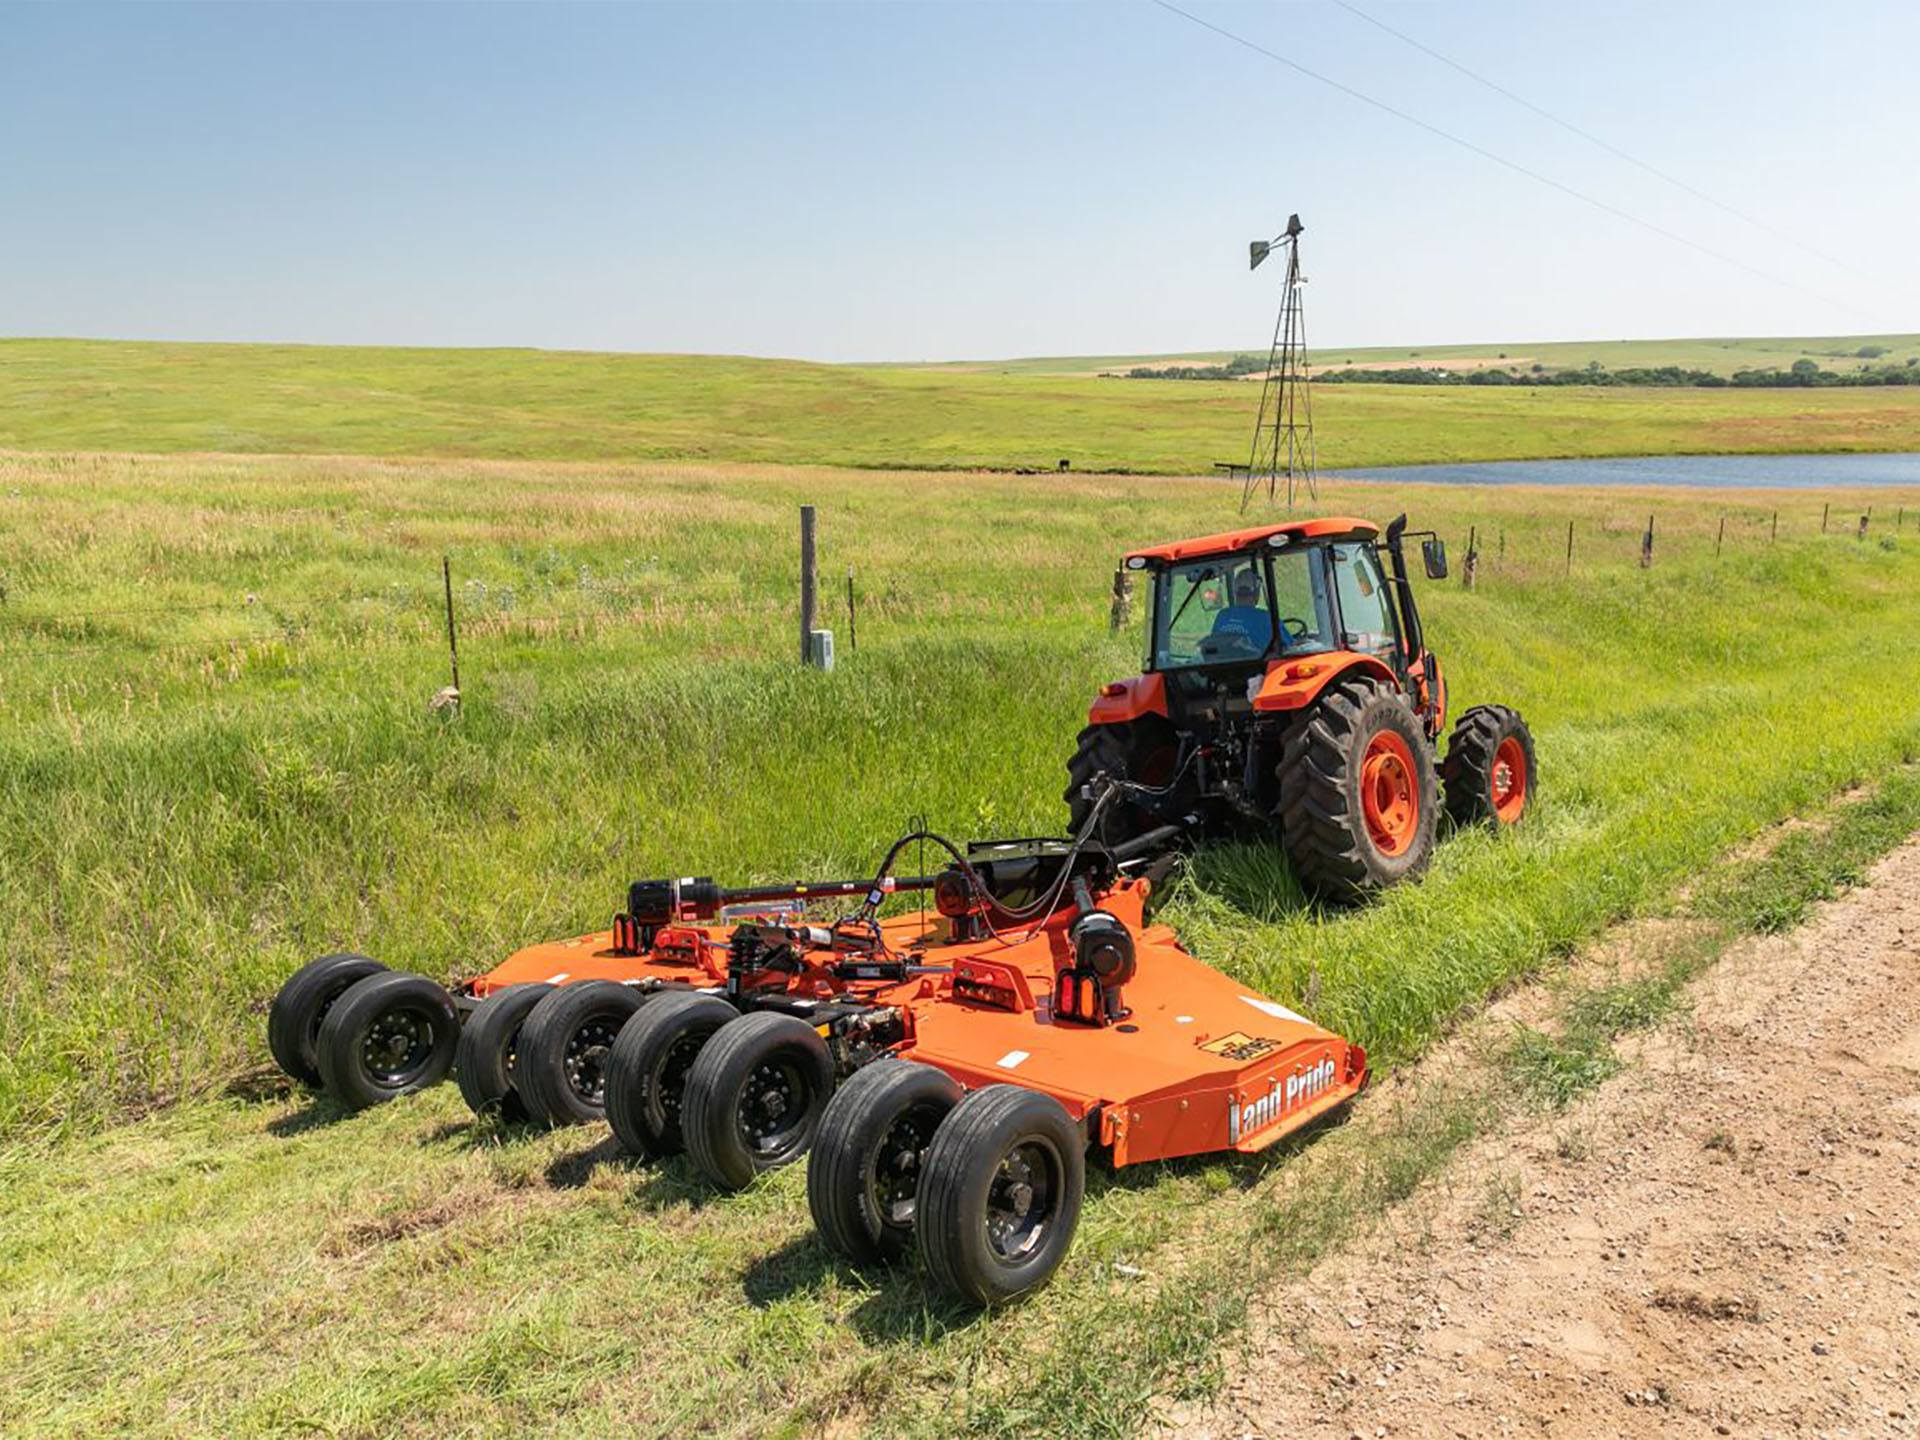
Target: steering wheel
x,y
1300,628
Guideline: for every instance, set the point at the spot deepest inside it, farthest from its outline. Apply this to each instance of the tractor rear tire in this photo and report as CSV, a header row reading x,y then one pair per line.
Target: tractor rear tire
x,y
647,1071
1000,1195
483,1063
1359,802
293,1022
1490,771
755,1097
388,1036
560,1068
1144,751
863,1173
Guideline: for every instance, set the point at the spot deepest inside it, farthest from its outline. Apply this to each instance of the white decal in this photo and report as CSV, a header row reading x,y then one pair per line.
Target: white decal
x,y
1011,1059
1293,1090
1275,1009
1183,1019
556,979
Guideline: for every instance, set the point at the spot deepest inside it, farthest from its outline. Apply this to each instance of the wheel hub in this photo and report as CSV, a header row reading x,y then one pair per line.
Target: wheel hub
x,y
1389,793
585,1060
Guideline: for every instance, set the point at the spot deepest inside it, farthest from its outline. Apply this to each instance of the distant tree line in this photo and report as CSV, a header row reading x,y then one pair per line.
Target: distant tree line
x,y
1802,374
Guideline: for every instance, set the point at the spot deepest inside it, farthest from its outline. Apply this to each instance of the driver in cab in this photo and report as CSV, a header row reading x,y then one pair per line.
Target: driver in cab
x,y
1245,626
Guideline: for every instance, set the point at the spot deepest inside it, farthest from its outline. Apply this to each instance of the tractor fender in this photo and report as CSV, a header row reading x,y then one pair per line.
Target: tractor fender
x,y
1291,684
1124,700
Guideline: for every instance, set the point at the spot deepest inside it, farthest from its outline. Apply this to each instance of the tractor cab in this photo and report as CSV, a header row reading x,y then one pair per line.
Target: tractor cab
x,y
1288,686
1225,611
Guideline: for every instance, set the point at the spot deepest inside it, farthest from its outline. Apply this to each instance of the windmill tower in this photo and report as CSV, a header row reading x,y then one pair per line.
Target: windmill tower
x,y
1283,435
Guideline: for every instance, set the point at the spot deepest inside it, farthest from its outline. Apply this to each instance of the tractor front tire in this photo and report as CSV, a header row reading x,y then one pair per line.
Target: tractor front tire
x,y
560,1067
388,1036
293,1022
1359,801
864,1170
647,1071
1000,1196
755,1096
1490,771
1144,751
484,1061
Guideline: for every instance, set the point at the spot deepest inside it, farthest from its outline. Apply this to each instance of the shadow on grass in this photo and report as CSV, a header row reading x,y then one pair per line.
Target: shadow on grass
x,y
902,1303
321,1112
576,1167
261,1084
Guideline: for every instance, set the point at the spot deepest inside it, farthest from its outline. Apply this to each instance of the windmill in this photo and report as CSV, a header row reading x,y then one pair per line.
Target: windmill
x,y
1283,435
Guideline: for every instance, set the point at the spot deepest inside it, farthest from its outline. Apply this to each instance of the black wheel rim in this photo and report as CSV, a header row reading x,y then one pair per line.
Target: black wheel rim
x,y
772,1114
1023,1200
398,1046
585,1058
894,1177
327,1002
671,1084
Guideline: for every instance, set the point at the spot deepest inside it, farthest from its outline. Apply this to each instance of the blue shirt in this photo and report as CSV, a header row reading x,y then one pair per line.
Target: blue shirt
x,y
1250,623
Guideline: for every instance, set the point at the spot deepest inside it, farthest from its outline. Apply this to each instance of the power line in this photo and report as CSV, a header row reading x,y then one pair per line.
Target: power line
x,y
1607,146
1512,165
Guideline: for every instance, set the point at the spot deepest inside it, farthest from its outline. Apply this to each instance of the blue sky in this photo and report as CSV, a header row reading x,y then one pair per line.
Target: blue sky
x,y
922,181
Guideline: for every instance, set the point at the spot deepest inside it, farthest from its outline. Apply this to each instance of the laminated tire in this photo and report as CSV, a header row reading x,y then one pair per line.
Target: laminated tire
x,y
560,1063
647,1072
863,1173
484,1061
755,1097
293,1021
389,1035
1000,1195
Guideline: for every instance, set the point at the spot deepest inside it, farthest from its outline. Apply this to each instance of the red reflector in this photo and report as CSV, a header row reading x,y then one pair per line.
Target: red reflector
x,y
1113,690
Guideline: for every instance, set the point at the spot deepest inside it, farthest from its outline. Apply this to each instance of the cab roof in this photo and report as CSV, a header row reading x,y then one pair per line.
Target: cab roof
x,y
1329,527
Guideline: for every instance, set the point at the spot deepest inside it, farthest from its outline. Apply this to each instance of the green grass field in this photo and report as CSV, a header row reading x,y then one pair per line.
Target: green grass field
x,y
530,404
217,759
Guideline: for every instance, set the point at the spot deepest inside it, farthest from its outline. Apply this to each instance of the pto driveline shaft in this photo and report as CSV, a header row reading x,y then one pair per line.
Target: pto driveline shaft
x,y
696,897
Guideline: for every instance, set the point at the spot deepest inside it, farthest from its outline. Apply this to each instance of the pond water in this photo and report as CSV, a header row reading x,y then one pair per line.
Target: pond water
x,y
1725,471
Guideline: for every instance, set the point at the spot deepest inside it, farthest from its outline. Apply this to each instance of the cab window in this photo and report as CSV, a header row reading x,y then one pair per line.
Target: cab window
x,y
1367,618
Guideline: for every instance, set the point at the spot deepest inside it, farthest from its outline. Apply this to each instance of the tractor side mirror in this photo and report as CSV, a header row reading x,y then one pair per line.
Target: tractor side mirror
x,y
1433,554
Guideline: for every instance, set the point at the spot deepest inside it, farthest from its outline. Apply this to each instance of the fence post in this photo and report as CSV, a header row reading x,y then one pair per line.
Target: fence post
x,y
1122,608
1503,549
1721,538
807,585
1776,528
853,642
1473,557
1646,546
453,643
1823,516
1569,547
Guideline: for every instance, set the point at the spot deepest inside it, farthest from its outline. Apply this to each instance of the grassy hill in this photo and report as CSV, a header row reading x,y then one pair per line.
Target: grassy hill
x,y
65,395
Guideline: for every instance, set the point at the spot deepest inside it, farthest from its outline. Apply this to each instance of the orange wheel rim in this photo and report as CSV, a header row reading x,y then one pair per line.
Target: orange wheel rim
x,y
1509,782
1389,794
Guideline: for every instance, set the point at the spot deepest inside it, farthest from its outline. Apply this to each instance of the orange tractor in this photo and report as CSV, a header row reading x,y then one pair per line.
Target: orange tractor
x,y
1288,687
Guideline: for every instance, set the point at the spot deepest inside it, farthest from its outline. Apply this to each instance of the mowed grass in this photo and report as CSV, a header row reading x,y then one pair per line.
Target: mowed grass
x,y
529,404
216,759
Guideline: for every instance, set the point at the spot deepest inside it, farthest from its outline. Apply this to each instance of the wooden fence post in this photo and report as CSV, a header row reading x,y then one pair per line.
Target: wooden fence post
x,y
1721,538
1823,516
808,591
1646,546
1569,547
1468,570
853,642
1776,528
